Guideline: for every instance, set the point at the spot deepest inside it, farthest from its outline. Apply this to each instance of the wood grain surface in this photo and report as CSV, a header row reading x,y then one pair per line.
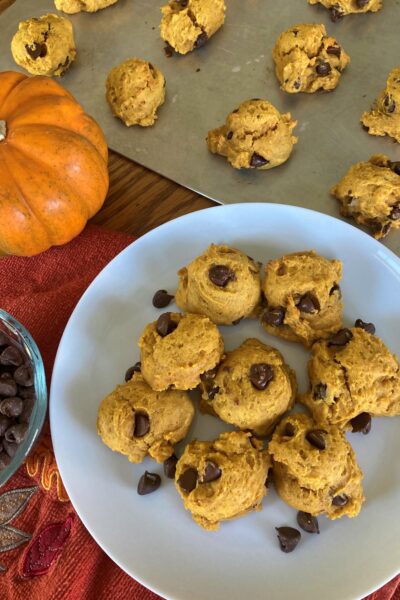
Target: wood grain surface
x,y
138,199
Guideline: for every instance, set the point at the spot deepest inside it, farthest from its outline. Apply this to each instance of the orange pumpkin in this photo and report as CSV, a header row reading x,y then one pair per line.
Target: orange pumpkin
x,y
53,165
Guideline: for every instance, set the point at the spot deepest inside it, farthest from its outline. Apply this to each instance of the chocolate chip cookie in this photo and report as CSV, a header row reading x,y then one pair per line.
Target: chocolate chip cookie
x,y
384,117
341,8
74,6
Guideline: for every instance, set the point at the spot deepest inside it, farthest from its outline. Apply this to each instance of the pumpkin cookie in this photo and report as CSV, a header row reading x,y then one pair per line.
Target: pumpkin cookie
x,y
44,45
370,193
223,284
189,24
308,60
255,136
223,479
136,421
341,8
74,6
176,349
303,297
251,388
315,470
384,118
134,90
350,374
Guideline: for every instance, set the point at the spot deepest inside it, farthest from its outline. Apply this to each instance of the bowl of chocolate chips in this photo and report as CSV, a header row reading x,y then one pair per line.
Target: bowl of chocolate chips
x,y
23,394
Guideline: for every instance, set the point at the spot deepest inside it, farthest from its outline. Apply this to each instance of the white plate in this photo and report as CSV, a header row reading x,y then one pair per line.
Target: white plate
x,y
152,537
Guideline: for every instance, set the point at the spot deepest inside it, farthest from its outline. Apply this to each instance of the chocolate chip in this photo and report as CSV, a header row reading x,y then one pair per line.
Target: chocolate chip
x,y
148,483
320,391
11,407
274,316
323,68
288,538
257,160
11,356
389,104
142,424
211,473
165,325
334,50
297,84
368,327
237,321
335,13
361,423
362,3
209,375
16,433
4,460
221,275
229,135
341,338
29,403
260,375
395,167
385,229
201,40
395,213
161,299
8,387
335,288
136,368
36,50
183,3
308,304
289,430
316,438
307,522
26,392
170,466
23,376
10,448
188,480
4,424
340,500
213,392
168,50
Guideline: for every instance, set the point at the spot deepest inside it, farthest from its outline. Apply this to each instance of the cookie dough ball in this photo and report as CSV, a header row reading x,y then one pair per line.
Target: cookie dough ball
x,y
223,284
251,388
384,118
255,136
134,90
176,349
308,60
315,470
135,420
350,374
223,479
74,6
303,297
370,193
189,24
44,45
341,8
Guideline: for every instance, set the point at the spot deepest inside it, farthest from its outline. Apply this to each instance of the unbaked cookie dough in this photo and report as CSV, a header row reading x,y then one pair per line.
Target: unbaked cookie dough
x,y
370,193
352,373
251,388
303,297
308,60
44,45
255,136
176,349
134,90
341,8
74,6
189,24
135,420
223,479
384,118
315,470
223,284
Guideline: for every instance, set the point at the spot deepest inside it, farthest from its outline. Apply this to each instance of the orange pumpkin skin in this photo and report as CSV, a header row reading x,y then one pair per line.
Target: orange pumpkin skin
x,y
53,165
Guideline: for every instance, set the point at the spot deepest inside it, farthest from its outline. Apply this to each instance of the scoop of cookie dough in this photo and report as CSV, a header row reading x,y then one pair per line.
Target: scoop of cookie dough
x,y
223,284
255,136
341,8
352,373
384,118
315,470
308,60
176,349
134,90
370,193
74,6
303,297
189,24
251,388
223,479
44,45
135,420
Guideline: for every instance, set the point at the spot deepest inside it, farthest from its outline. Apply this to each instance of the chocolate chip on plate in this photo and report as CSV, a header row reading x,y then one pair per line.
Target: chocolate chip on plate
x,y
209,375
316,438
165,325
16,433
323,68
307,522
148,483
368,327
211,473
389,104
394,166
168,49
201,40
340,500
335,288
334,50
36,50
274,316
11,356
341,338
288,538
308,303
221,275
260,375
289,430
335,13
361,423
320,391
23,376
170,466
136,368
213,392
188,480
161,299
11,407
362,3
142,424
395,212
229,135
258,161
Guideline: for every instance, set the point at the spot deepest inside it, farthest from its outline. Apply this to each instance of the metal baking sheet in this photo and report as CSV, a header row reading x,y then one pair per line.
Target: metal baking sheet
x,y
236,64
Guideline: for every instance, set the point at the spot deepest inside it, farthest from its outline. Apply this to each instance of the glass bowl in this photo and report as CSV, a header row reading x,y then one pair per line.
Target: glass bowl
x,y
22,337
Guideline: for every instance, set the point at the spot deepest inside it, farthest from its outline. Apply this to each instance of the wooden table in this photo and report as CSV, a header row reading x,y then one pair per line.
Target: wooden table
x,y
138,199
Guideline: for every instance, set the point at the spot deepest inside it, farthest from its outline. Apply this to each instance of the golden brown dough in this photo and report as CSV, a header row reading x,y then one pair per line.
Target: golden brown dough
x,y
384,117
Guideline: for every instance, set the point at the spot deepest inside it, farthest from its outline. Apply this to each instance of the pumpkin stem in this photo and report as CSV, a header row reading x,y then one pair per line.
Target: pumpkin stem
x,y
3,130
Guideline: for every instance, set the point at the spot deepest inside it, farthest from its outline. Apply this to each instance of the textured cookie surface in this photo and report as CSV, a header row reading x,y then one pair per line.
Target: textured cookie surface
x,y
189,24
360,375
251,388
341,8
223,284
44,45
303,297
315,470
134,90
223,479
370,193
308,60
384,118
75,6
255,136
